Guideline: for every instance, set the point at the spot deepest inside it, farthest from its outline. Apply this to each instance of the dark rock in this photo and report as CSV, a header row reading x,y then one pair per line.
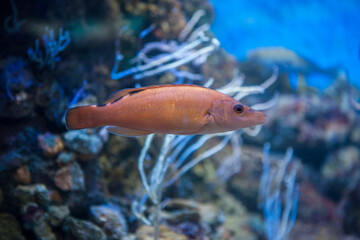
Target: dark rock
x,y
21,107
238,222
23,175
57,214
65,158
82,230
55,197
37,193
43,230
32,202
110,219
50,96
42,170
70,178
79,202
315,207
50,144
219,66
177,210
10,228
191,230
86,144
11,159
340,170
303,230
147,233
19,149
351,210
167,15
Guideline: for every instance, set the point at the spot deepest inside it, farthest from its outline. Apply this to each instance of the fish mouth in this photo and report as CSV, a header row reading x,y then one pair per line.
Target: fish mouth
x,y
257,117
261,118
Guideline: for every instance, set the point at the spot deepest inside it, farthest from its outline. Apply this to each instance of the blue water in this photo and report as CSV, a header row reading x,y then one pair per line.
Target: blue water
x,y
324,31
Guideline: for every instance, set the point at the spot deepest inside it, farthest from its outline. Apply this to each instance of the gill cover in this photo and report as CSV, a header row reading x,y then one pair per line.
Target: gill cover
x,y
218,109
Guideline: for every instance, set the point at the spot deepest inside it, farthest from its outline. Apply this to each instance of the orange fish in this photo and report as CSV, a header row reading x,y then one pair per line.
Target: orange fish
x,y
171,109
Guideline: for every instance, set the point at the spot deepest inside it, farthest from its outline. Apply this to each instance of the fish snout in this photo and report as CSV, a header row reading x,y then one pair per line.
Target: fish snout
x,y
257,116
262,117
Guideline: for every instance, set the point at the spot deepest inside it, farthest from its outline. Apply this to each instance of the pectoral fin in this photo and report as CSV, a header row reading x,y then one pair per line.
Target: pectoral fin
x,y
128,132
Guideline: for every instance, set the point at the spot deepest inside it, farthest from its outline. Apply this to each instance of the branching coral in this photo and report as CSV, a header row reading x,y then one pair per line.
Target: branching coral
x,y
278,221
52,47
191,46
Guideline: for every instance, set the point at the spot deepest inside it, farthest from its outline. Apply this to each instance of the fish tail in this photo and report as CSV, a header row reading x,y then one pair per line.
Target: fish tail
x,y
82,117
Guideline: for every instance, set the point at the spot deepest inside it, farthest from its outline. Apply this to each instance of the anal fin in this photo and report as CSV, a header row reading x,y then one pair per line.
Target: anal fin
x,y
128,132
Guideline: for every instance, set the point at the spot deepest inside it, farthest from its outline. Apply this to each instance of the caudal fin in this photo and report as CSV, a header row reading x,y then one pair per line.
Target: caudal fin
x,y
82,117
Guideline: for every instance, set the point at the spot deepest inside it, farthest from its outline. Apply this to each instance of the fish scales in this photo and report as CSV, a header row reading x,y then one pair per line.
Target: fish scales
x,y
162,110
175,109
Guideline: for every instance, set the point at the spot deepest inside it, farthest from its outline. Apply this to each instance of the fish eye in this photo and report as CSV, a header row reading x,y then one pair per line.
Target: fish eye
x,y
238,108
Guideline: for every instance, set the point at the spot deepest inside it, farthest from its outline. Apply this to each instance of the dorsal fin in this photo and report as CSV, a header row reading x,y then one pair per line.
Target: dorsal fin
x,y
129,91
122,93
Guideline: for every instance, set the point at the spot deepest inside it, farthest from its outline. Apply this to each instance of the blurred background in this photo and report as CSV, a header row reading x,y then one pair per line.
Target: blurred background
x,y
323,32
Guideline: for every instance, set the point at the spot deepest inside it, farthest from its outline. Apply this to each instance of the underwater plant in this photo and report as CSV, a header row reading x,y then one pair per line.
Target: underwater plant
x,y
192,45
13,19
278,221
52,48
